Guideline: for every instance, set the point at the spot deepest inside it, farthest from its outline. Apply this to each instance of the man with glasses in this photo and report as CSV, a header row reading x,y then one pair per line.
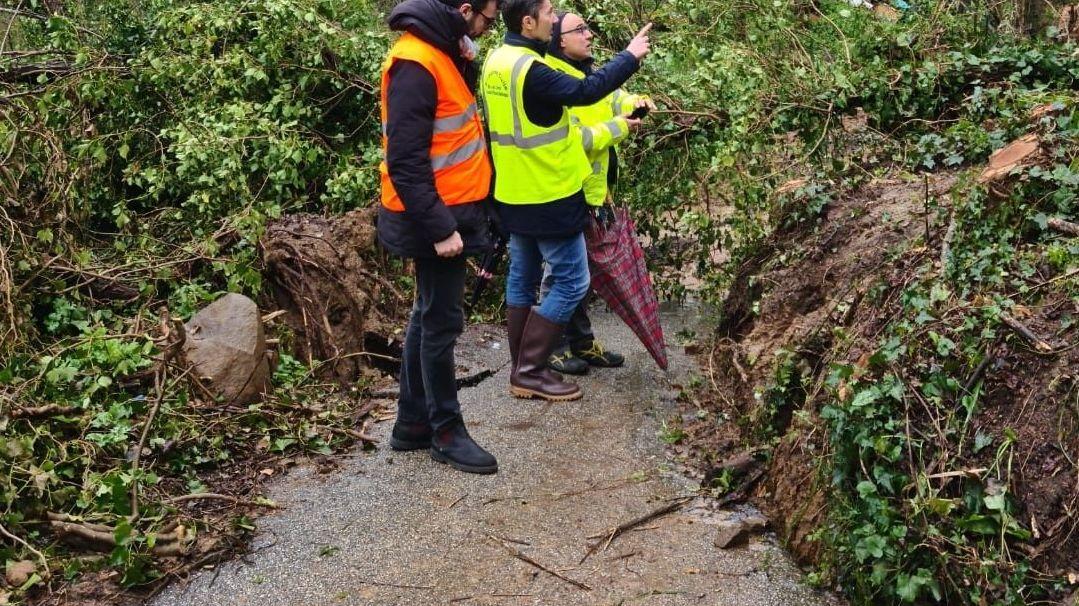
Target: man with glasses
x,y
604,125
435,179
541,167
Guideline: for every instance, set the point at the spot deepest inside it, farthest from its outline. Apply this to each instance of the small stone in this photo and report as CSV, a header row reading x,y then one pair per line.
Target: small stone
x,y
756,523
731,534
19,572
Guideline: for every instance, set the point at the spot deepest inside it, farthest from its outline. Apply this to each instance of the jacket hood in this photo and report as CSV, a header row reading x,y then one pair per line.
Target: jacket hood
x,y
431,20
555,47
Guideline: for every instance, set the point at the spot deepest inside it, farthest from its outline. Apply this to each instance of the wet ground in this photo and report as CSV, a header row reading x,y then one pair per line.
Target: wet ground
x,y
398,528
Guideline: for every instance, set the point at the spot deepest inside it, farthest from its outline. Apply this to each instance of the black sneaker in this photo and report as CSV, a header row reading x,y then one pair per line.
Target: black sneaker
x,y
410,436
594,354
456,448
562,360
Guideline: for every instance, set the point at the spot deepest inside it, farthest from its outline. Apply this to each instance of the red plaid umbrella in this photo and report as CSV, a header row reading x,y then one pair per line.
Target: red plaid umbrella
x,y
619,276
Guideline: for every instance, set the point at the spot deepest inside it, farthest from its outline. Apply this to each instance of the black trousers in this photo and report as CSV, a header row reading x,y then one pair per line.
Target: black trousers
x,y
428,382
579,328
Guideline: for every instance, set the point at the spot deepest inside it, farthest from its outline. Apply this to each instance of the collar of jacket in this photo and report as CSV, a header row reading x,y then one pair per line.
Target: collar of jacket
x,y
513,39
564,66
432,21
577,69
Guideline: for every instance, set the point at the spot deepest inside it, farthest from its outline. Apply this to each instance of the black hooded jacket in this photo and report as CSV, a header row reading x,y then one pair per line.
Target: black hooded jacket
x,y
411,102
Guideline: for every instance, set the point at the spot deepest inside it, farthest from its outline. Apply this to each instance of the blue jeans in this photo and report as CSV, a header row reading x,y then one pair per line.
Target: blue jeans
x,y
567,260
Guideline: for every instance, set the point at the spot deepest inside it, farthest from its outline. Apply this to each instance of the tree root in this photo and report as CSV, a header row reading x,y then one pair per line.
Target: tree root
x,y
99,537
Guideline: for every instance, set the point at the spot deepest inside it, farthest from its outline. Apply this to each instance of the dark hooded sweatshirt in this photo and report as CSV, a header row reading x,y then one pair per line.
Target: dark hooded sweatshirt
x,y
546,92
411,101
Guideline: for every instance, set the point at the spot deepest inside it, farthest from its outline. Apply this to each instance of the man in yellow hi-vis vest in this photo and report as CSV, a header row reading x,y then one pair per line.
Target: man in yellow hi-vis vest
x,y
603,126
540,170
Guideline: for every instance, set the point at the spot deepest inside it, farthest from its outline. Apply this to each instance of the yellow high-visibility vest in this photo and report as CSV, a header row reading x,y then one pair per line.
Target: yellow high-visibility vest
x,y
533,164
602,126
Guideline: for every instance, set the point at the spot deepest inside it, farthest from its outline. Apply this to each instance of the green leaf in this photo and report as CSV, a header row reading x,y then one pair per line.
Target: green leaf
x,y
866,488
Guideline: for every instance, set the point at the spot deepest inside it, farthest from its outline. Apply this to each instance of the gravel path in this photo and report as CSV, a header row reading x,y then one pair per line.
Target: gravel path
x,y
398,528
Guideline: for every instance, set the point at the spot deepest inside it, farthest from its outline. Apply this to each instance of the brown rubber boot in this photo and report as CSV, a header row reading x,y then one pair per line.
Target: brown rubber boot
x,y
516,317
530,377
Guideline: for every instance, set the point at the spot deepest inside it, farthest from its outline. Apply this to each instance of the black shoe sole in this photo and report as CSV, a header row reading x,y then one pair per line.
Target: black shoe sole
x,y
405,445
603,364
563,370
441,458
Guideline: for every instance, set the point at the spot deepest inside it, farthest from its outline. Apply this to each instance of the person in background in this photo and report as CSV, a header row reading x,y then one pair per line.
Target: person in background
x,y
604,125
540,167
435,179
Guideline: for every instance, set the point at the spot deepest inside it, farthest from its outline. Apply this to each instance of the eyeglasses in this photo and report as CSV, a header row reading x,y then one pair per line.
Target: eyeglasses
x,y
580,29
487,21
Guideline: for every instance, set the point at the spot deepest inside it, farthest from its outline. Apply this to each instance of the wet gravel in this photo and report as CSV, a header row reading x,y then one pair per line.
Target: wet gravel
x,y
398,528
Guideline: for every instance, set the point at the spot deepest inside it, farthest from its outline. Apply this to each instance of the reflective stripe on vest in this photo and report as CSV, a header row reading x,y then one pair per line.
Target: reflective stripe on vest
x,y
458,153
614,126
449,123
517,139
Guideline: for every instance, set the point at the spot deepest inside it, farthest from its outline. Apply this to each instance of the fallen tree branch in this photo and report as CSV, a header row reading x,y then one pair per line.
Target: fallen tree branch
x,y
1064,227
621,528
103,538
48,410
520,556
1039,343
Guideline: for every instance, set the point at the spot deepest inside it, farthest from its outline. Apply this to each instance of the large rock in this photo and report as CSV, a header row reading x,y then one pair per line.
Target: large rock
x,y
227,347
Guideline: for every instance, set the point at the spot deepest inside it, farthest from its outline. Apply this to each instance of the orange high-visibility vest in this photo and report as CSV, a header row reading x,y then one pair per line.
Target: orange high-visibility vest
x,y
458,150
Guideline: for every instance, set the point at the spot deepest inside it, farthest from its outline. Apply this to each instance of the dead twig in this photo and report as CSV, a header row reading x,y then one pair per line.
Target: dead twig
x,y
30,548
48,410
621,528
395,585
175,343
1020,328
213,496
520,556
946,245
1064,227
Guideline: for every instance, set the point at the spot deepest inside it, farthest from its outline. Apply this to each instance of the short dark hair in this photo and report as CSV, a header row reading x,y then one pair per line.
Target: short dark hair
x,y
515,11
482,4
